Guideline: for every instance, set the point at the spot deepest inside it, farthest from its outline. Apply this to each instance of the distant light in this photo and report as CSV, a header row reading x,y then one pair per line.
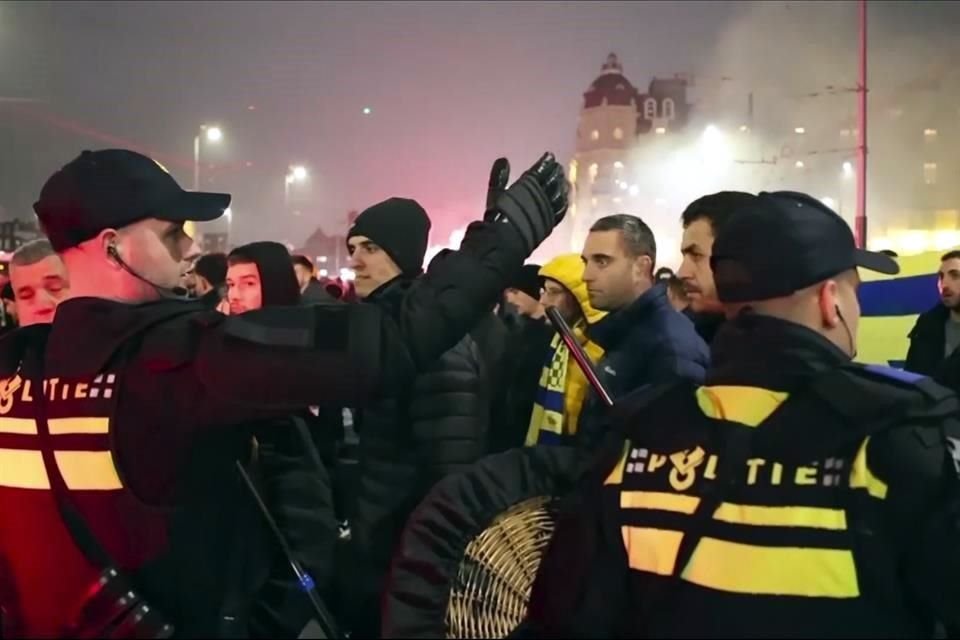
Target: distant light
x,y
830,202
930,133
618,165
367,111
321,259
711,130
634,190
744,127
214,134
800,130
660,131
249,163
251,108
799,164
617,200
298,173
623,186
847,169
323,273
347,274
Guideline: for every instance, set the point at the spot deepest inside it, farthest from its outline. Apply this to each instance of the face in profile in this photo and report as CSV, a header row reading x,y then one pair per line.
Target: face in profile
x,y
372,265
696,248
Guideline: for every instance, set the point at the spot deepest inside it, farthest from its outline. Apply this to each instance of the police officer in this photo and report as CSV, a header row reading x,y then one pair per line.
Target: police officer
x,y
794,494
104,414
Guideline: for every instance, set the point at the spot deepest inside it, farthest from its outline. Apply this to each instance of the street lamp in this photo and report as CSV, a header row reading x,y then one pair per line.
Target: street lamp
x,y
212,134
297,173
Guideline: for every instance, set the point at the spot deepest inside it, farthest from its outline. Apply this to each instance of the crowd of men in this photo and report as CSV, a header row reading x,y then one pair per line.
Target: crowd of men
x,y
346,412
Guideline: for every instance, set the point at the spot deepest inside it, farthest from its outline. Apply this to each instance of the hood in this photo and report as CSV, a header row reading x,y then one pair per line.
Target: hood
x,y
278,281
567,269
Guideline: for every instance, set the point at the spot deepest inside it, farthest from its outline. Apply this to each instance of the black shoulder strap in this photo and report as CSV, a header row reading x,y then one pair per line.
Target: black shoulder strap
x,y
79,530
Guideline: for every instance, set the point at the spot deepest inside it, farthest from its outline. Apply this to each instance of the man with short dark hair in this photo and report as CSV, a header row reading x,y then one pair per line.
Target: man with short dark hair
x,y
936,335
210,273
311,291
39,281
644,339
701,221
798,494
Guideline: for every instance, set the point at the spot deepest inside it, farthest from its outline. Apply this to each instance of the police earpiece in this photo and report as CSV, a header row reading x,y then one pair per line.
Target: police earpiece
x,y
112,251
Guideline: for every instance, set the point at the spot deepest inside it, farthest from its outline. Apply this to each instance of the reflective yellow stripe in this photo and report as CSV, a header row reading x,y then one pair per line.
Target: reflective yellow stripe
x,y
21,469
787,571
23,426
862,478
651,550
616,476
62,426
747,405
813,517
676,502
88,470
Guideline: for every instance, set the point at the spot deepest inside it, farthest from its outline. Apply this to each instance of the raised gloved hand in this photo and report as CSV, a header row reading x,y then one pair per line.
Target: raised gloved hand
x,y
535,203
499,178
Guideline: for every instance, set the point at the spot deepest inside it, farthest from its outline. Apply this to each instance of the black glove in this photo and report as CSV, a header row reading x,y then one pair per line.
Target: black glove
x,y
499,177
535,203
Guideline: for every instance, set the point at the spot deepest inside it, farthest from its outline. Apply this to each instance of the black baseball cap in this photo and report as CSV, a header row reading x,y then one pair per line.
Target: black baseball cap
x,y
114,188
781,242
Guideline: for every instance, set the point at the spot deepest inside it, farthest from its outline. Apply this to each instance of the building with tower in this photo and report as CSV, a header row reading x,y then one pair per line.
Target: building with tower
x,y
615,120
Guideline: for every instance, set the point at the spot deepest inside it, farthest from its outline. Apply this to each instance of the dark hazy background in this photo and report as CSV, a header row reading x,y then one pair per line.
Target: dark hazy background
x,y
451,86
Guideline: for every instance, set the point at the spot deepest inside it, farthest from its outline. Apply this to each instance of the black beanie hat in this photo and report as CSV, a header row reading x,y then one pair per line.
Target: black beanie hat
x,y
400,227
528,280
278,280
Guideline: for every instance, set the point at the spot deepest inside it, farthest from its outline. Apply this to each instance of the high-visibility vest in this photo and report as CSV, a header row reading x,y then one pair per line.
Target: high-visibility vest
x,y
48,576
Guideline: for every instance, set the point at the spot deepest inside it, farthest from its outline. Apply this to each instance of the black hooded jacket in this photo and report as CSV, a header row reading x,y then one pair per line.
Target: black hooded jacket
x,y
294,479
438,426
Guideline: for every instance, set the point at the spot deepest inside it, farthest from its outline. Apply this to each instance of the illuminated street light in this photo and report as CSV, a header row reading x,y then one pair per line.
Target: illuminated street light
x,y
297,173
799,164
634,190
660,130
744,128
847,169
800,130
210,134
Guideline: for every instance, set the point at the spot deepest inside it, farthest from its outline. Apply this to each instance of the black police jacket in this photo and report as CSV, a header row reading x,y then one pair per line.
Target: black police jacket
x,y
174,378
835,516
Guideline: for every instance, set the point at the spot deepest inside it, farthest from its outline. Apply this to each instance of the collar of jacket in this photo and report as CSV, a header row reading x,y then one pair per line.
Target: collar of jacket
x,y
87,332
390,294
935,317
760,351
613,329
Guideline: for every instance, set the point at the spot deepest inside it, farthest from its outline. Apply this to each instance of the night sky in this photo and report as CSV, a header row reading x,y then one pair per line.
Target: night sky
x,y
451,87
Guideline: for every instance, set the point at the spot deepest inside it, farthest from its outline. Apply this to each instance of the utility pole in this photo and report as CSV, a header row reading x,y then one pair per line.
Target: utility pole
x,y
861,216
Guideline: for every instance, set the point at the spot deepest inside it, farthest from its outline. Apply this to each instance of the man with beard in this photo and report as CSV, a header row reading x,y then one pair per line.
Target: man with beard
x,y
701,221
936,335
409,441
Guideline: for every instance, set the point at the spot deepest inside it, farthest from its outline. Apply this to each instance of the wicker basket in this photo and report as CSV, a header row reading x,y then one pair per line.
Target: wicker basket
x,y
490,594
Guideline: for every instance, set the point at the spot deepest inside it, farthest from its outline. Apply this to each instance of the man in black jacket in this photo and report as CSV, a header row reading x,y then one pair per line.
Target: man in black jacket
x,y
438,425
937,332
148,385
701,221
295,480
645,341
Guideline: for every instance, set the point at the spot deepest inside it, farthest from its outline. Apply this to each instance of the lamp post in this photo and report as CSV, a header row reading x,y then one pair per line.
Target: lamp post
x,y
297,173
212,134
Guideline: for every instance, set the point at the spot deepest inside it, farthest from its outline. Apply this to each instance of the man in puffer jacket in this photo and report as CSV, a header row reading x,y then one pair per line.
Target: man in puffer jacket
x,y
563,386
436,426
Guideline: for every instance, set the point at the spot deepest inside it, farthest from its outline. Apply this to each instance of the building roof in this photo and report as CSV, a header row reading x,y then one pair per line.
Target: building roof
x,y
611,87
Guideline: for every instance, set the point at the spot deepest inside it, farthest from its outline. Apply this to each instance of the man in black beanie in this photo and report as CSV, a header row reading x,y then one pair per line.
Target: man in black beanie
x,y
387,241
437,425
